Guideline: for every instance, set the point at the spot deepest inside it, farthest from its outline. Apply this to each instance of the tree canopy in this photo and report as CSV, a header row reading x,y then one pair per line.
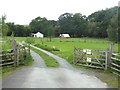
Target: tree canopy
x,y
100,24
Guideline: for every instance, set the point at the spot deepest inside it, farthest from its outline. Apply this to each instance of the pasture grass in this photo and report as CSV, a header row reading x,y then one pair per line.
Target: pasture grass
x,y
66,46
49,61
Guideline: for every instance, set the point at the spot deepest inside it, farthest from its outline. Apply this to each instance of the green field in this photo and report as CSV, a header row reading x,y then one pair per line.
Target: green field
x,y
65,47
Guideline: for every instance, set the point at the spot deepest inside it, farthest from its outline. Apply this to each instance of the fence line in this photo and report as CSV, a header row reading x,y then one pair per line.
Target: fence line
x,y
91,58
102,59
115,65
13,58
7,59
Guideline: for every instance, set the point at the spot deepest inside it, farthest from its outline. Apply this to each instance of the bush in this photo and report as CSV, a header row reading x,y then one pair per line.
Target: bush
x,y
30,40
45,47
26,60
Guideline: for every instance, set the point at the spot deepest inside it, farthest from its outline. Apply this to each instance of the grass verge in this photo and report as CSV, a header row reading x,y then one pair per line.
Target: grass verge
x,y
28,61
5,71
49,61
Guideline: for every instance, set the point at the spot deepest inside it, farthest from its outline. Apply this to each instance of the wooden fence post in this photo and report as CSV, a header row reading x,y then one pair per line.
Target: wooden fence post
x,y
29,48
24,50
106,62
14,50
111,50
17,55
74,56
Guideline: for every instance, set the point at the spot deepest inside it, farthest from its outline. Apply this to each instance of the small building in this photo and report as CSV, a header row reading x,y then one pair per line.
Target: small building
x,y
64,35
38,34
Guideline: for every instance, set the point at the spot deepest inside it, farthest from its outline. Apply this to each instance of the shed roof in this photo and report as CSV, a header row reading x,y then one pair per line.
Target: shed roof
x,y
64,35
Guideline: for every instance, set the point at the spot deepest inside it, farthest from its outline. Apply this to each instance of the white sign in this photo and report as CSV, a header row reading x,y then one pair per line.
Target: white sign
x,y
84,50
89,51
88,59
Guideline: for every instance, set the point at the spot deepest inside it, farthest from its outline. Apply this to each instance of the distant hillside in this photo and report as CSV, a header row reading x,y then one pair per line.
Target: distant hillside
x,y
100,21
103,15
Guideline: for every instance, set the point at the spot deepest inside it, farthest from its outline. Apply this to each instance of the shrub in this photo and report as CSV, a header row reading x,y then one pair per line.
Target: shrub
x,y
45,47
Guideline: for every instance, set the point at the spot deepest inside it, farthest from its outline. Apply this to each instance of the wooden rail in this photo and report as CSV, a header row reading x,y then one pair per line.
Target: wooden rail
x,y
103,59
13,58
115,65
7,59
91,58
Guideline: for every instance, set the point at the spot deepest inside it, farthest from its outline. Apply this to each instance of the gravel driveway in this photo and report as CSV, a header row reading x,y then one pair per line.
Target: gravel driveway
x,y
39,76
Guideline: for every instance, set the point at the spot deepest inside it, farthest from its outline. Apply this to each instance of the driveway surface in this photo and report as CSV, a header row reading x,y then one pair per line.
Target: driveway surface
x,y
63,63
39,76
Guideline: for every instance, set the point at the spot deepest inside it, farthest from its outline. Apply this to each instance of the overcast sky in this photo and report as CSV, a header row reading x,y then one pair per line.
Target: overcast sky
x,y
23,11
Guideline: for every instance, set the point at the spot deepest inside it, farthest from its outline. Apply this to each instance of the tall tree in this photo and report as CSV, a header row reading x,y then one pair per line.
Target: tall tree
x,y
79,25
18,30
74,24
4,26
113,29
1,26
39,25
102,19
65,22
119,27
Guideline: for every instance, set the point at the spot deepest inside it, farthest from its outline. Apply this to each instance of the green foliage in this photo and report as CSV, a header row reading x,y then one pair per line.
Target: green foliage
x,y
100,24
45,47
0,25
4,26
30,40
27,61
6,45
119,25
112,29
39,25
74,24
47,27
100,21
19,30
4,29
